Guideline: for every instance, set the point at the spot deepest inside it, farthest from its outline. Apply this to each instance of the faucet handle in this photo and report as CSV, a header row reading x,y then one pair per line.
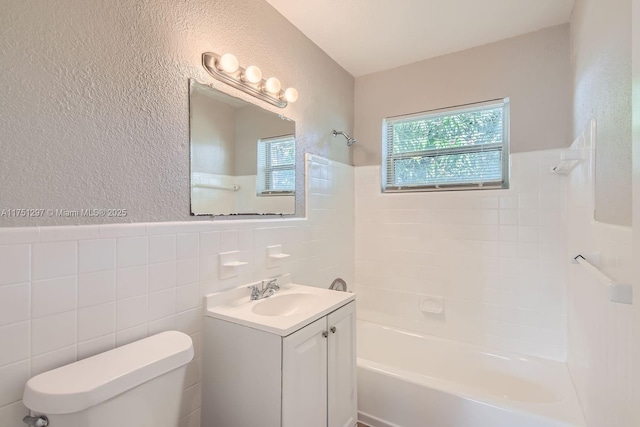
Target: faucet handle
x,y
272,283
255,292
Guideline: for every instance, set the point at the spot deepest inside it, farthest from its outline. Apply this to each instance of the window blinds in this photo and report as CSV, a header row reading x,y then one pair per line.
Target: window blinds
x,y
276,166
458,148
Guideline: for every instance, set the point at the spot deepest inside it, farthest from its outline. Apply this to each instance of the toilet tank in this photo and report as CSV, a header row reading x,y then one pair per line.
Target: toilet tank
x,y
136,385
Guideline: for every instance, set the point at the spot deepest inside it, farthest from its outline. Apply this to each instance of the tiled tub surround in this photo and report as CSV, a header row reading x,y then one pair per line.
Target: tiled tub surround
x,y
67,293
497,256
600,333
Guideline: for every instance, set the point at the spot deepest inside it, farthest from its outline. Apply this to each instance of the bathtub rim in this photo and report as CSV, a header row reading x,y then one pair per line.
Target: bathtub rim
x,y
502,354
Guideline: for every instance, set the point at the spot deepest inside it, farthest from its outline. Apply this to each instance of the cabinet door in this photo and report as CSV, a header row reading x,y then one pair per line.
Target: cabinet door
x,y
304,376
342,384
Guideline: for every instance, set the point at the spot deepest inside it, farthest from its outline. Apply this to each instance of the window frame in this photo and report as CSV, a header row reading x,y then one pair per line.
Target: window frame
x,y
268,168
388,160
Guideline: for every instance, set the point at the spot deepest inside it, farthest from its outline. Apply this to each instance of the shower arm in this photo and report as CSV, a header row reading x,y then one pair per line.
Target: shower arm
x,y
350,141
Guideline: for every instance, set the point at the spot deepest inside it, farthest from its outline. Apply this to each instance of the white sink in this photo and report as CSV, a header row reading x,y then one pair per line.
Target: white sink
x,y
288,310
284,304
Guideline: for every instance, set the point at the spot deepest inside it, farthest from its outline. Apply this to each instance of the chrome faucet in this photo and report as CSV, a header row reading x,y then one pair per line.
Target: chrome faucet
x,y
338,285
267,289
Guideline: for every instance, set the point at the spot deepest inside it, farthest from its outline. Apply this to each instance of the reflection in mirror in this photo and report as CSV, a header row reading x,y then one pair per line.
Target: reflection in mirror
x,y
242,156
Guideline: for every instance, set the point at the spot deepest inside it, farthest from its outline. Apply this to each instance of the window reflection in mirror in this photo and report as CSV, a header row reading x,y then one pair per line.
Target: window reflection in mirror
x,y
242,156
276,166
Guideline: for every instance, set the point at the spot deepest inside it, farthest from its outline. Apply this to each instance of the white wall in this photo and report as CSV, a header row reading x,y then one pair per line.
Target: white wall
x,y
497,256
94,99
70,292
533,70
600,332
601,63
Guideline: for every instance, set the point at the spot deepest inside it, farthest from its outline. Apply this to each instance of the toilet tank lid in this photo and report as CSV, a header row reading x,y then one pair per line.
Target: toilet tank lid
x,y
80,385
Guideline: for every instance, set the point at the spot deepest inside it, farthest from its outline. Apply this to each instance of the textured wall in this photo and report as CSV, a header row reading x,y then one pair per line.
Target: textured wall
x,y
533,70
94,99
601,57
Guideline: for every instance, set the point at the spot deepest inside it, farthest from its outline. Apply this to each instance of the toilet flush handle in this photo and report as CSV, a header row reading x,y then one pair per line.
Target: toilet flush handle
x,y
40,421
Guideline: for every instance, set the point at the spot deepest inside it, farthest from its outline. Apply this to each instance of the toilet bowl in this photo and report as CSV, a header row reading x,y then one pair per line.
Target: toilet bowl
x,y
136,385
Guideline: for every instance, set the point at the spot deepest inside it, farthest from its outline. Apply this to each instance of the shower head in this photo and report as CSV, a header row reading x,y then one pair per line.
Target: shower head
x,y
350,141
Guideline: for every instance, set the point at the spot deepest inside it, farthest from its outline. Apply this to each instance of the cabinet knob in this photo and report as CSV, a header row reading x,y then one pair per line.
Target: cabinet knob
x,y
333,329
325,334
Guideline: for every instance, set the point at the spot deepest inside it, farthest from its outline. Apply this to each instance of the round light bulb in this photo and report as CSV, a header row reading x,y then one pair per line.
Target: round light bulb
x,y
228,63
272,85
291,94
252,74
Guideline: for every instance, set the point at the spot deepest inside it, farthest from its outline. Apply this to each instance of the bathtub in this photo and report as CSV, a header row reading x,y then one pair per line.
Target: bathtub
x,y
412,380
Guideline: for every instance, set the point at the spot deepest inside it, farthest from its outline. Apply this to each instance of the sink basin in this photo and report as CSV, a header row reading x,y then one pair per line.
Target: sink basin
x,y
290,309
284,305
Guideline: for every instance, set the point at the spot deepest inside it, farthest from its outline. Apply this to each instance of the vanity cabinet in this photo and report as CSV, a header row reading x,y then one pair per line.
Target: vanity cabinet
x,y
257,378
319,372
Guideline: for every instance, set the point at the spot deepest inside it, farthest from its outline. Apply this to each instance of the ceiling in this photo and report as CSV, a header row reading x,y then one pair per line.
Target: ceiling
x,y
366,36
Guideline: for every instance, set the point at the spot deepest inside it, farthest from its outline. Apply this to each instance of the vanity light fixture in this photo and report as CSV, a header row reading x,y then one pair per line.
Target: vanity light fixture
x,y
252,74
272,85
249,80
228,63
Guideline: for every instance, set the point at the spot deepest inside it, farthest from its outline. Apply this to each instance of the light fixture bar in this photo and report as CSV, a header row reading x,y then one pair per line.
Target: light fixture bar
x,y
210,62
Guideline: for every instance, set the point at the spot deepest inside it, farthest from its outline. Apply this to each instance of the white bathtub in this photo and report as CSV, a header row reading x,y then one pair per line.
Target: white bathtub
x,y
412,380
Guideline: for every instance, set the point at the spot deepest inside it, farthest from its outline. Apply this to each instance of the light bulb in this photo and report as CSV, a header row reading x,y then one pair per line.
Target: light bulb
x,y
272,85
252,74
228,63
291,94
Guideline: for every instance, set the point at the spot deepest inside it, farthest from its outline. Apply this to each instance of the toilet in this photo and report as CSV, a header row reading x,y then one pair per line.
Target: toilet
x,y
136,385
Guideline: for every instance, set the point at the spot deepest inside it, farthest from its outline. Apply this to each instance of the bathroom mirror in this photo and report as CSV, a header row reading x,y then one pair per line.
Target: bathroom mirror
x,y
242,156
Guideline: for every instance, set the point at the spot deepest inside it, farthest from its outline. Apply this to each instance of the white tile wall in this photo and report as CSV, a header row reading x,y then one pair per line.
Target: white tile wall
x,y
16,262
14,303
53,296
132,251
495,255
96,288
187,245
132,281
87,289
600,333
96,321
52,333
162,248
54,259
15,343
96,255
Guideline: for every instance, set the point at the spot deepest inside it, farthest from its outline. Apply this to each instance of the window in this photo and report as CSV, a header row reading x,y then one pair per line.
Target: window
x,y
452,149
276,166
